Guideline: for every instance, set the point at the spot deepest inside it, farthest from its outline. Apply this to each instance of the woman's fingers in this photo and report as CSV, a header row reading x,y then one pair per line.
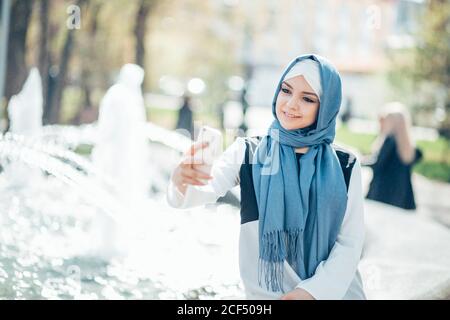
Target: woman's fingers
x,y
189,158
187,161
190,162
189,180
187,172
195,147
196,174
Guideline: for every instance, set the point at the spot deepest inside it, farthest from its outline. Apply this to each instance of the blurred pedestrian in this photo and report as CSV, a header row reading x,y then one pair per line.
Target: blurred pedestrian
x,y
347,113
244,103
185,118
393,157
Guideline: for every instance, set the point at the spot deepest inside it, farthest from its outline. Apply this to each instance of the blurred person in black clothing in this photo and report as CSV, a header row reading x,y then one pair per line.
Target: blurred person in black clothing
x,y
185,118
394,155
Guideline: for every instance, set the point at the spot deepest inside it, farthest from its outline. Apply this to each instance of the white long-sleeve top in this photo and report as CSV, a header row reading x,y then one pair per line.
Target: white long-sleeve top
x,y
335,278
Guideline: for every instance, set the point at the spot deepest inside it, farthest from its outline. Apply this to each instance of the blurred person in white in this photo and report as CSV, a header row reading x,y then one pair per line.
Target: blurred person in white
x,y
393,156
302,220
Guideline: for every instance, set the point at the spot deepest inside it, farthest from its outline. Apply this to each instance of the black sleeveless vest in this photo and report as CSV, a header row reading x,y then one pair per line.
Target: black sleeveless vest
x,y
249,208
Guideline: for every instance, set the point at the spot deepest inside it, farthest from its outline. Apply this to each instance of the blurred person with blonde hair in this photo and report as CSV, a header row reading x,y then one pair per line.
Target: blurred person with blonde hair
x,y
393,156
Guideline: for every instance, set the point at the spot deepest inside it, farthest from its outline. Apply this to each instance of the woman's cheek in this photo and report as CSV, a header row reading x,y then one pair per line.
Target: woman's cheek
x,y
316,111
279,105
312,110
309,113
281,100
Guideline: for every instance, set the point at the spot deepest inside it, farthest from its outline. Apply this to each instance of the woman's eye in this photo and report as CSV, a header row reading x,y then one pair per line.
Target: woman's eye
x,y
308,100
285,90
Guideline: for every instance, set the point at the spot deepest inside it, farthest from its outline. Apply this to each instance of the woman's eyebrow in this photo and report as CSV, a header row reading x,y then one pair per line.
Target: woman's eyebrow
x,y
310,93
305,92
284,82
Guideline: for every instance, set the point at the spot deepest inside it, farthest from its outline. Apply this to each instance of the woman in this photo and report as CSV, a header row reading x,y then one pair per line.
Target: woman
x,y
394,155
302,227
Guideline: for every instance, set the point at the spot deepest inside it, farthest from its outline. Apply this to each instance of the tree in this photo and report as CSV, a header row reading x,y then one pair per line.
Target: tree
x,y
57,82
44,59
140,29
432,55
16,71
91,60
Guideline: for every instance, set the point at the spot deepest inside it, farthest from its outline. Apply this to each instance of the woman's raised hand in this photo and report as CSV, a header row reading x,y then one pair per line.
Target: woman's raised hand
x,y
187,172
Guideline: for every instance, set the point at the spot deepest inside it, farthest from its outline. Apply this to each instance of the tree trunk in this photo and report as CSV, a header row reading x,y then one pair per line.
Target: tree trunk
x,y
16,69
59,80
44,59
86,112
57,83
139,30
86,74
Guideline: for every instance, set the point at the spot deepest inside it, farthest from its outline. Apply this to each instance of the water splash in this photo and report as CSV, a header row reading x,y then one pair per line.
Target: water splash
x,y
52,243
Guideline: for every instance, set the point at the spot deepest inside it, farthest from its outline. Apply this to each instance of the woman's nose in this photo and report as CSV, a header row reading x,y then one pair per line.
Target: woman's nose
x,y
293,104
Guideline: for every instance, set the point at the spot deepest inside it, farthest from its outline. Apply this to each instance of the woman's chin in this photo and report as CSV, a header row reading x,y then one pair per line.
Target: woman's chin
x,y
290,126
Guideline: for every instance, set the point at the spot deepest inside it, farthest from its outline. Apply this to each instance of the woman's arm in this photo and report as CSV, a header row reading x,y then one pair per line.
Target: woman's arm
x,y
333,276
225,175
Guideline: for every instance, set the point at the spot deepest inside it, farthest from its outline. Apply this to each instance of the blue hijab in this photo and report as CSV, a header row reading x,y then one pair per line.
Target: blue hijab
x,y
300,213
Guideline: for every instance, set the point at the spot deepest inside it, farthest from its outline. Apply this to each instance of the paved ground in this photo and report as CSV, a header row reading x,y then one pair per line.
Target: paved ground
x,y
407,254
433,199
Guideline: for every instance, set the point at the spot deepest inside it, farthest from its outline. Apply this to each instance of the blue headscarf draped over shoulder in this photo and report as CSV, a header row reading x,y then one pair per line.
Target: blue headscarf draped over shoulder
x,y
300,212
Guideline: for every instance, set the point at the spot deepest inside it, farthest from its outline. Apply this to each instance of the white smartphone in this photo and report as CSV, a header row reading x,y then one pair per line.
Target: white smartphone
x,y
209,154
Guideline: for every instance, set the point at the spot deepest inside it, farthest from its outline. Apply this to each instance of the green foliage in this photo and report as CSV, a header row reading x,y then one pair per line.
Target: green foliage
x,y
84,149
166,118
183,40
434,170
432,53
361,141
421,74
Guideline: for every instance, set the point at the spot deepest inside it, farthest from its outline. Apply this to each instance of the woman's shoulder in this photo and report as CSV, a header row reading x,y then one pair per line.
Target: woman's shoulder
x,y
347,160
250,142
253,139
346,156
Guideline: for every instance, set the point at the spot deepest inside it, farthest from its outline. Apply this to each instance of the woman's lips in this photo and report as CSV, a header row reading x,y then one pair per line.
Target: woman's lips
x,y
290,115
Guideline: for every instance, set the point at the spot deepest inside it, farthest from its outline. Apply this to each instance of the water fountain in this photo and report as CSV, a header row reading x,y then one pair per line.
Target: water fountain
x,y
70,234
25,113
52,235
121,151
25,108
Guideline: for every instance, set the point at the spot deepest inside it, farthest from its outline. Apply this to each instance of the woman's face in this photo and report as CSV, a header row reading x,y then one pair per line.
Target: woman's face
x,y
297,105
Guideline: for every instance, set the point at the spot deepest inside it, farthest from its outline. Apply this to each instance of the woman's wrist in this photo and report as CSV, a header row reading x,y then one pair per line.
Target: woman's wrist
x,y
178,184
